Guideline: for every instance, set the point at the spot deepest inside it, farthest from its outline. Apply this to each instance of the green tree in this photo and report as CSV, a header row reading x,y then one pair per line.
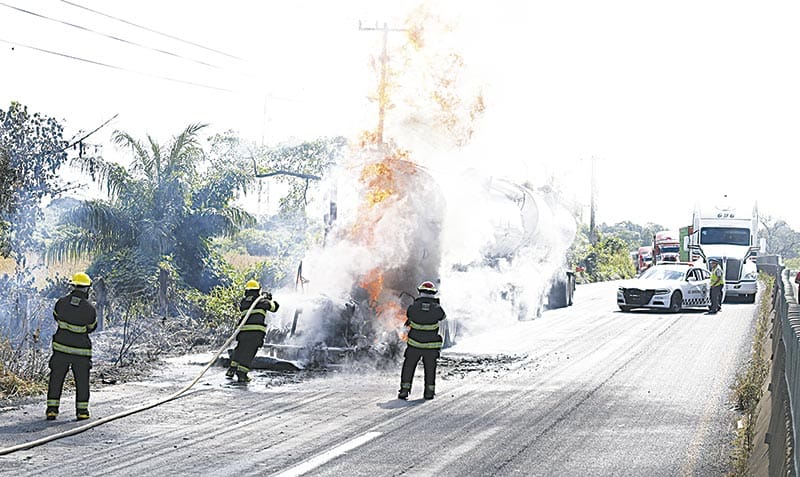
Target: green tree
x,y
32,150
634,235
608,259
311,158
781,238
157,224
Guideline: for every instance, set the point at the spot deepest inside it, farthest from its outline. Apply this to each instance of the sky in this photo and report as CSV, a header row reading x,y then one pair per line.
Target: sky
x,y
674,103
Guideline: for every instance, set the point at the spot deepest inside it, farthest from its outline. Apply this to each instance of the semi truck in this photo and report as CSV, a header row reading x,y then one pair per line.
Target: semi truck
x,y
666,247
730,234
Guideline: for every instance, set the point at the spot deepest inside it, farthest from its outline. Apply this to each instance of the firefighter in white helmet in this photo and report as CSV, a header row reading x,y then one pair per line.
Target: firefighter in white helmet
x,y
72,348
424,340
251,335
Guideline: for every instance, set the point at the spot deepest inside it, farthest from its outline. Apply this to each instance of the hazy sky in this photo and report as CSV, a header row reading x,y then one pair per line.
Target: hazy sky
x,y
676,101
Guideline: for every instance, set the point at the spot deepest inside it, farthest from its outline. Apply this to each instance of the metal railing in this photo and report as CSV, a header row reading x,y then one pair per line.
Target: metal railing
x,y
785,385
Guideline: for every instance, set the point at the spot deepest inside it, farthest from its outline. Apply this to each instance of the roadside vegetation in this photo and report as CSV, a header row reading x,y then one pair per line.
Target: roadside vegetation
x,y
748,386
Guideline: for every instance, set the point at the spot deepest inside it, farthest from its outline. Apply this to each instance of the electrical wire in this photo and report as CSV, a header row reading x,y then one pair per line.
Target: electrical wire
x,y
151,30
123,40
77,430
119,68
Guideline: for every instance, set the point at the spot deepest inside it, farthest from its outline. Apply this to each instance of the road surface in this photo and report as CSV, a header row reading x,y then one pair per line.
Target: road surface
x,y
585,390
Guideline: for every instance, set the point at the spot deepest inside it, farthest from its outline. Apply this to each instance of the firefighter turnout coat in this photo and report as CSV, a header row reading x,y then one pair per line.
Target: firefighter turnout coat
x,y
424,316
251,335
72,348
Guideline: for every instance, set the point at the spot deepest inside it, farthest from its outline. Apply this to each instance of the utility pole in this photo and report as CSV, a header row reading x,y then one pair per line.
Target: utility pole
x,y
592,206
382,93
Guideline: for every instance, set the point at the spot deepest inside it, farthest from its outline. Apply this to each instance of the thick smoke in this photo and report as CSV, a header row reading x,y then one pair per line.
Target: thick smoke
x,y
442,199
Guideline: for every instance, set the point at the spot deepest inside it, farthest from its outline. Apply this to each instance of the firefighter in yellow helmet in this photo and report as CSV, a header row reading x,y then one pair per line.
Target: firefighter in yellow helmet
x,y
424,340
72,348
251,335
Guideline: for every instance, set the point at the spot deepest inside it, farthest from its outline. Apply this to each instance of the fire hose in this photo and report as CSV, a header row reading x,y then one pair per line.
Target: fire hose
x,y
85,427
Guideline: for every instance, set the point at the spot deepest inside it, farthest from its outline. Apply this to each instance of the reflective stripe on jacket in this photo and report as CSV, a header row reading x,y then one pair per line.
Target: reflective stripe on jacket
x,y
72,350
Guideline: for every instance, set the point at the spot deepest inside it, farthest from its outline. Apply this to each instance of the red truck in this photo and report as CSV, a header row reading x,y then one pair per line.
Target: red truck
x,y
666,247
644,258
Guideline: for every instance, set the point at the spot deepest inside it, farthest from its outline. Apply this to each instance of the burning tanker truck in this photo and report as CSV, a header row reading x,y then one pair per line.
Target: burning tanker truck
x,y
354,290
357,286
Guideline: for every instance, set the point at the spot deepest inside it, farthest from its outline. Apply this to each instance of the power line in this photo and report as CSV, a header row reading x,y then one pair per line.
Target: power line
x,y
151,30
123,40
119,68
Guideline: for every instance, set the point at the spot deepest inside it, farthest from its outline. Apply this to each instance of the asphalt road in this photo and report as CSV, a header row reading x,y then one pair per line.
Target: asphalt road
x,y
586,390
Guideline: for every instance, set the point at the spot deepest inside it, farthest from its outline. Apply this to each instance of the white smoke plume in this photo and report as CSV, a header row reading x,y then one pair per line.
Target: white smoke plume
x,y
462,207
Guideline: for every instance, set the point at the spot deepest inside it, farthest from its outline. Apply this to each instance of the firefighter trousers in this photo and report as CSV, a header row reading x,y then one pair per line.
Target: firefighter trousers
x,y
247,344
60,364
412,357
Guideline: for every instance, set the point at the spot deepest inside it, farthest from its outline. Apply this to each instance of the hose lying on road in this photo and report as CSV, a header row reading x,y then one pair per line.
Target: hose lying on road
x,y
77,430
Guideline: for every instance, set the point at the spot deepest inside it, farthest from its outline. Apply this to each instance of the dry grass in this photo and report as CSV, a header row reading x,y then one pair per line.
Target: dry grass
x,y
65,269
750,381
7,265
243,262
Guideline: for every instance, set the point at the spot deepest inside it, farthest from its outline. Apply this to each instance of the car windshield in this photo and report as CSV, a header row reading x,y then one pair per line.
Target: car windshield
x,y
724,236
663,273
670,249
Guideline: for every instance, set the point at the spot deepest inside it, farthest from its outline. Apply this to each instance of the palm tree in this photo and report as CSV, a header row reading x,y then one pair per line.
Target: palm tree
x,y
158,221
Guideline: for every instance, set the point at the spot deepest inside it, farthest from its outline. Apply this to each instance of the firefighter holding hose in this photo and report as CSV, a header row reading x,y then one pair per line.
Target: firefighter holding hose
x,y
76,318
251,335
424,340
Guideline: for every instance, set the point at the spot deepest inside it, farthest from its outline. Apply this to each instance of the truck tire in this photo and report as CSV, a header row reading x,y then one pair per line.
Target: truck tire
x,y
559,294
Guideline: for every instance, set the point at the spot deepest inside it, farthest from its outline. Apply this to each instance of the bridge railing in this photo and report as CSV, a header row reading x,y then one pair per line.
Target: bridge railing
x,y
784,456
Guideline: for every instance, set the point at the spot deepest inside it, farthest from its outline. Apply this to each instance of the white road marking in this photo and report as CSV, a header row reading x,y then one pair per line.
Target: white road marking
x,y
317,461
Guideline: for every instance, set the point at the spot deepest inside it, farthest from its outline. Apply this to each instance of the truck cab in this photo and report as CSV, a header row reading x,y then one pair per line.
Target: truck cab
x,y
644,259
666,247
726,233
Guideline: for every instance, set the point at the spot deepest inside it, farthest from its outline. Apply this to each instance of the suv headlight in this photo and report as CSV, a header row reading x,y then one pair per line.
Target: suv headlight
x,y
751,276
662,291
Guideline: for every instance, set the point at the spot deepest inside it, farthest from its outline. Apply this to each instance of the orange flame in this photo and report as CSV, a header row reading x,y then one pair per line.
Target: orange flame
x,y
373,284
393,317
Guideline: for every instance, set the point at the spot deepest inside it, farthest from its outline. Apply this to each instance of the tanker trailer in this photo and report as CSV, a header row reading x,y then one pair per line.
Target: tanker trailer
x,y
532,231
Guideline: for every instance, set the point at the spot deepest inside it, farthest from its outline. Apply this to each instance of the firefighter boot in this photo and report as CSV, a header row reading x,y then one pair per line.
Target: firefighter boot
x,y
82,410
405,388
51,413
230,372
429,392
242,377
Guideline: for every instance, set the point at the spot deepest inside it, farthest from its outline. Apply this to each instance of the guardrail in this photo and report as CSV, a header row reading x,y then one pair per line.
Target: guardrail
x,y
789,313
784,386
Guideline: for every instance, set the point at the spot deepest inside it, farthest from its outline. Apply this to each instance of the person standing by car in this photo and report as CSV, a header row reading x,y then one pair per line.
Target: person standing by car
x,y
717,283
424,340
76,318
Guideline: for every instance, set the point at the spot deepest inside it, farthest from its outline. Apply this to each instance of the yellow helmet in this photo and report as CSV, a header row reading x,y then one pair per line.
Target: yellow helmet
x,y
81,279
252,285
